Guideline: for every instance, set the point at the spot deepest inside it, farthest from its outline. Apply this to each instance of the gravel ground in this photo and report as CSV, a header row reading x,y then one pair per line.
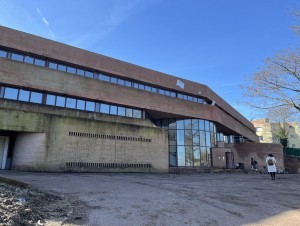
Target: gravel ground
x,y
207,199
22,205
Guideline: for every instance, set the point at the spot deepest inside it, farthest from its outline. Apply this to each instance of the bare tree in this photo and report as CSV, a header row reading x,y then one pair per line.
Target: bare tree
x,y
277,84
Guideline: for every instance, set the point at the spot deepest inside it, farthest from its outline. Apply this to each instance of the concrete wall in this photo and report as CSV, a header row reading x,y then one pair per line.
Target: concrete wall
x,y
39,78
54,140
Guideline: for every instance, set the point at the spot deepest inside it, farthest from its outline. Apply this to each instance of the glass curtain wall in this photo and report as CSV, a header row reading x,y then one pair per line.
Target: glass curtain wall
x,y
190,141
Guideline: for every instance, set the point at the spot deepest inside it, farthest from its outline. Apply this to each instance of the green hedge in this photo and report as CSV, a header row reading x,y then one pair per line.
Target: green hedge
x,y
293,151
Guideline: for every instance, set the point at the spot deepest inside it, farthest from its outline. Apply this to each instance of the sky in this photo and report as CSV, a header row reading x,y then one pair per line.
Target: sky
x,y
213,42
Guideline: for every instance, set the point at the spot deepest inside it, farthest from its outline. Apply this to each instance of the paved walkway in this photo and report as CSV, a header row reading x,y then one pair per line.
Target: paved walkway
x,y
170,199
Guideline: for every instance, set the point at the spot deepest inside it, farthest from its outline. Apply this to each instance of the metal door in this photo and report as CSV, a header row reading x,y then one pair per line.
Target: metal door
x,y
229,160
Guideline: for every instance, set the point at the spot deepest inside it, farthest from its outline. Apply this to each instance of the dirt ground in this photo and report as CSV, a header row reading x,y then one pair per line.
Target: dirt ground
x,y
22,205
168,199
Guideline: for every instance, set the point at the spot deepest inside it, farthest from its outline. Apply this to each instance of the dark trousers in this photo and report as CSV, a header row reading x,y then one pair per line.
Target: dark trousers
x,y
272,175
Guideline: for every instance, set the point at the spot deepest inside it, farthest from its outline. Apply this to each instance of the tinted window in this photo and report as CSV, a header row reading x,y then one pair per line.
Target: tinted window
x,y
121,82
3,53
148,88
50,100
70,103
28,59
127,83
135,85
104,77
60,101
17,57
153,90
121,111
137,114
80,104
36,97
24,95
161,91
128,112
80,72
53,65
62,67
90,106
142,87
173,94
104,108
113,110
39,62
11,93
89,74
71,70
113,80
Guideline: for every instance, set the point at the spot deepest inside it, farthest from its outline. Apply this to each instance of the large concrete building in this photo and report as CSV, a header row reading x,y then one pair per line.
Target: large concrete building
x,y
66,109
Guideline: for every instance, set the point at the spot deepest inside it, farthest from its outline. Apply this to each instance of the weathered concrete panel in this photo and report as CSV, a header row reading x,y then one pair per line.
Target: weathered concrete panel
x,y
51,150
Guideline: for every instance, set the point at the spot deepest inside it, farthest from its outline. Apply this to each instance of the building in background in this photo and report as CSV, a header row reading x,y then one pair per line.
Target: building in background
x,y
66,109
265,131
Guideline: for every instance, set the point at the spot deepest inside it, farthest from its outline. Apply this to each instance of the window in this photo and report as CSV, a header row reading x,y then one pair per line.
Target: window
x,y
71,103
128,112
135,85
3,53
128,84
113,110
36,97
80,105
121,82
50,99
148,88
153,90
89,74
161,91
104,77
28,59
137,114
60,101
104,108
61,67
121,111
24,95
17,57
39,62
141,87
90,106
53,65
113,80
11,93
80,72
71,70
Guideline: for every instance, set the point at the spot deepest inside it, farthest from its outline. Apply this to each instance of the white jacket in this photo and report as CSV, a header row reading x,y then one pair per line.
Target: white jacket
x,y
271,168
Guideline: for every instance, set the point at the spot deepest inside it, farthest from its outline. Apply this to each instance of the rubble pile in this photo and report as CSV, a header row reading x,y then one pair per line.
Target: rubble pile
x,y
28,206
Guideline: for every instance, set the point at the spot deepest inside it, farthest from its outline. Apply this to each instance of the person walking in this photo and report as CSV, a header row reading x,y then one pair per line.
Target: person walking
x,y
271,164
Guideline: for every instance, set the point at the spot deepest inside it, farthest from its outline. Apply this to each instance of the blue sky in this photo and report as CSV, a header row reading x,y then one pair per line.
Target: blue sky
x,y
213,42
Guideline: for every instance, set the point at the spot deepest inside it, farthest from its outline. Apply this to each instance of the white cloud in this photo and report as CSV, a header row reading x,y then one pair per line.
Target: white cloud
x,y
45,21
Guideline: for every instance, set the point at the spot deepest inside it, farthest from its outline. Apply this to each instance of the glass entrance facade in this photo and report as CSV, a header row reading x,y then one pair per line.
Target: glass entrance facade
x,y
190,141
